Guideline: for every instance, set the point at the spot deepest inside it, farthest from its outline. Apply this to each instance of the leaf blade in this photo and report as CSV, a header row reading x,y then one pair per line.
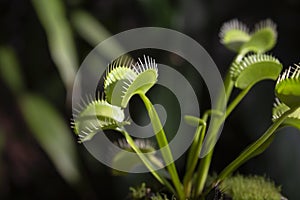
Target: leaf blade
x,y
60,39
54,136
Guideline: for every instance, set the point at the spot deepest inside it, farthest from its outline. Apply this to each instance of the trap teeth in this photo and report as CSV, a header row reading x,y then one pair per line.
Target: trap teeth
x,y
287,88
124,80
254,68
95,116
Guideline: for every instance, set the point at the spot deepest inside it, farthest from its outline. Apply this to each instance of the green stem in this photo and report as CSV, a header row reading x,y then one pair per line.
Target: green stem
x,y
193,159
204,165
247,153
204,168
197,142
205,162
202,173
195,150
233,105
229,85
163,145
199,136
145,160
237,100
194,147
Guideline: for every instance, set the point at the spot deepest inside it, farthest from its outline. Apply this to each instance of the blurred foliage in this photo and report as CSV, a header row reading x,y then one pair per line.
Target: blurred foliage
x,y
52,133
52,15
89,28
93,31
10,70
40,41
48,127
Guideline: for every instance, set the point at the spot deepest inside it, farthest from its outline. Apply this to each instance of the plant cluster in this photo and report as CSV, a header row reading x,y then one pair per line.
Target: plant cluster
x,y
126,78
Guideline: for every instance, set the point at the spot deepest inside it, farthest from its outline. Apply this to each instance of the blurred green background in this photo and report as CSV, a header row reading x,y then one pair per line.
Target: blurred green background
x,y
43,42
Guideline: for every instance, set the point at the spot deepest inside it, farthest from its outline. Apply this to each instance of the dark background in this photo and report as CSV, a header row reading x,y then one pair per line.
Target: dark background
x,y
27,171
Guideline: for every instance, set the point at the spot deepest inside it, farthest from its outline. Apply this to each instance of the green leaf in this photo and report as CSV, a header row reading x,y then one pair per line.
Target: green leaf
x,y
292,120
93,31
96,116
60,39
236,37
234,34
261,148
255,68
256,147
118,77
287,88
143,82
263,39
124,80
88,27
52,133
10,70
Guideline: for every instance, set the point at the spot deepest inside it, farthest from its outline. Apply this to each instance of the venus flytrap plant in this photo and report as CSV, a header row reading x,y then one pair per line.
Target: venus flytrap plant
x,y
263,38
244,72
237,37
126,78
251,70
121,83
254,68
262,143
234,34
288,83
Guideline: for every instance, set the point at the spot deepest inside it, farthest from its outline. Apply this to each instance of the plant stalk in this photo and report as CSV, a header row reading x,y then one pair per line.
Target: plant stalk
x,y
163,144
247,153
237,100
193,158
145,160
204,165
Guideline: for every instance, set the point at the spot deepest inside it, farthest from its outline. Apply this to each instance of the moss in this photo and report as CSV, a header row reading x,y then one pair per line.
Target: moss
x,y
139,192
143,192
159,196
250,188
